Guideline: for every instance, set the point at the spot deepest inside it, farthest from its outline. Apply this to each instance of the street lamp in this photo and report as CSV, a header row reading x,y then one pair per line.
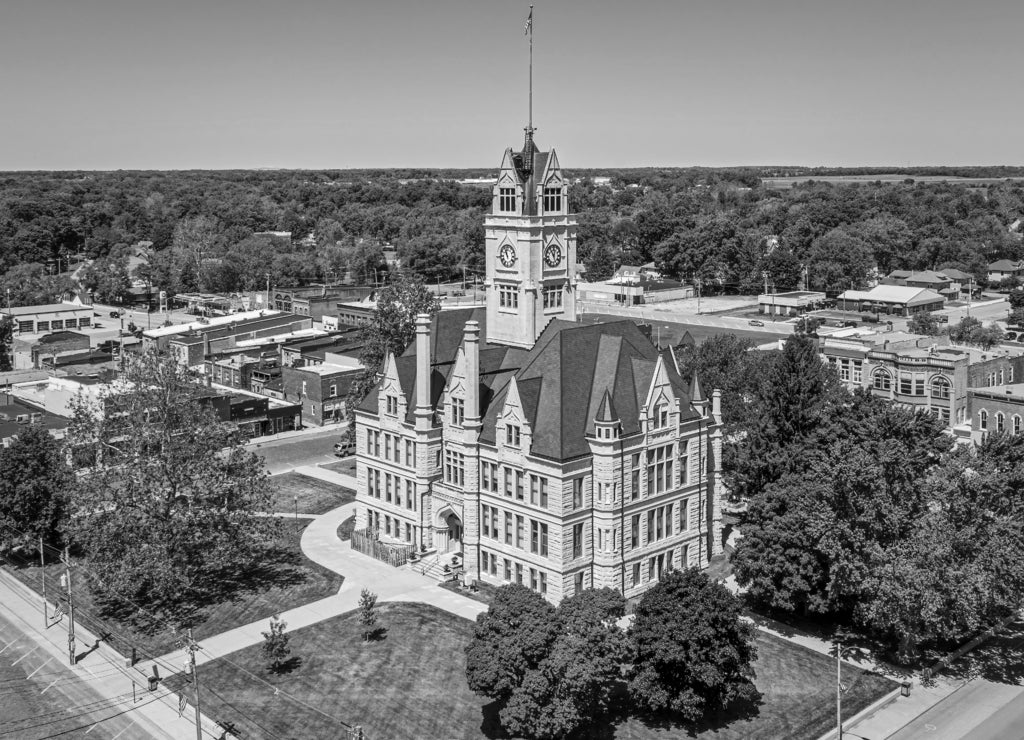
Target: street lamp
x,y
839,686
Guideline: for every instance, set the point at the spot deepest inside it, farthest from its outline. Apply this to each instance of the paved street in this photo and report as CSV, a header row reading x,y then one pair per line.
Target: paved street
x,y
94,698
310,447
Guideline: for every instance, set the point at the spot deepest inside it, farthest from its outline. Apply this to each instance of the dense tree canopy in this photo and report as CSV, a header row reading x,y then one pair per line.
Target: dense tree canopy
x,y
166,509
693,651
35,485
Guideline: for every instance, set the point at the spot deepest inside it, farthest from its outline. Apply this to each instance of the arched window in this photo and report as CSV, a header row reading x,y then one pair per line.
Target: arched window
x,y
940,387
983,420
882,380
1000,423
1016,424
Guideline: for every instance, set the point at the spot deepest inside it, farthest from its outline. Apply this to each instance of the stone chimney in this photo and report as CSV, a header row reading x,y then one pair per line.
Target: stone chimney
x,y
472,351
423,409
716,405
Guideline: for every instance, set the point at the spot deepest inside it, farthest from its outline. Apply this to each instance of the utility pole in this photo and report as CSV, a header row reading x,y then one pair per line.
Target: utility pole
x,y
698,281
42,576
192,647
71,608
839,690
970,294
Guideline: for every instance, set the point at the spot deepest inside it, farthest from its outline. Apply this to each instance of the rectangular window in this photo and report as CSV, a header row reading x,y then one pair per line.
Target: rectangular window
x,y
333,391
577,493
458,411
507,200
553,296
659,470
552,200
508,528
906,385
684,515
512,435
857,373
520,495
454,467
410,498
684,462
410,455
634,532
635,492
508,296
534,536
387,487
543,583
489,477
520,532
533,579
519,573
636,574
508,482
392,405
485,515
577,540
544,540
508,569
578,582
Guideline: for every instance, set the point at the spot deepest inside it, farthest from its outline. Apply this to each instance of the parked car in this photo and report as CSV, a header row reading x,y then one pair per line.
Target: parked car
x,y
115,314
756,322
344,449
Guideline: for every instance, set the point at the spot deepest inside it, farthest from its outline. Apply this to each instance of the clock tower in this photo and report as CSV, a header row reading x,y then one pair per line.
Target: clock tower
x,y
530,248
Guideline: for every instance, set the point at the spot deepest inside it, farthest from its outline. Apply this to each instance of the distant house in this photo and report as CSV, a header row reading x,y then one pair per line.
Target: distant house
x,y
940,282
1002,270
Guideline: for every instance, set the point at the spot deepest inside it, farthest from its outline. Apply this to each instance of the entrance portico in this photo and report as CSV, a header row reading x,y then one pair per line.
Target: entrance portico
x,y
447,530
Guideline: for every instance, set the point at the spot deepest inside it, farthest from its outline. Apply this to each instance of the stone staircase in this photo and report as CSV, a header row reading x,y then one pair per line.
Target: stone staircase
x,y
432,566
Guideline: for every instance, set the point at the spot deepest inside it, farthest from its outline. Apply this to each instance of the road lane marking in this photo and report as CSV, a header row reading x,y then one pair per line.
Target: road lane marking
x,y
91,728
8,645
40,667
50,686
123,731
26,655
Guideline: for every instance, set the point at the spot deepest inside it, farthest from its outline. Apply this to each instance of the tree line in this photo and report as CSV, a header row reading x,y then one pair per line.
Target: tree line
x,y
720,226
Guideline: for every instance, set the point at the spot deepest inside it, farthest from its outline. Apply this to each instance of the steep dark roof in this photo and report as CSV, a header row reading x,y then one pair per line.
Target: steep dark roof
x,y
606,412
566,375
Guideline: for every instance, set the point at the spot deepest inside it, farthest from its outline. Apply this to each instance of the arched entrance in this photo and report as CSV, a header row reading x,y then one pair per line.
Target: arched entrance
x,y
448,531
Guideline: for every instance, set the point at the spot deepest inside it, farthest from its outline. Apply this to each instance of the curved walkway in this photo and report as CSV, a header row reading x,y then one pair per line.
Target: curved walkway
x,y
320,544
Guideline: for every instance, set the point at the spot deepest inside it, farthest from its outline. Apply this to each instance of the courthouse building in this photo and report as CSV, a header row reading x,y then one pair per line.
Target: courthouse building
x,y
535,449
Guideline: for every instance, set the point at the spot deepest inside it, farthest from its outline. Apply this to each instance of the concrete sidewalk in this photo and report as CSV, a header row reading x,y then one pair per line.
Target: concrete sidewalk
x,y
100,671
320,544
329,476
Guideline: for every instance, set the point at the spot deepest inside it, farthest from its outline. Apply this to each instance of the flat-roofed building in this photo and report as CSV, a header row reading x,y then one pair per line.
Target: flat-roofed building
x,y
791,303
47,318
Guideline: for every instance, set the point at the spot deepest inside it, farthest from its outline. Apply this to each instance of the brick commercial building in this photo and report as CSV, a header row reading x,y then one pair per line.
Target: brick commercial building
x,y
920,372
892,300
535,449
32,350
320,389
997,409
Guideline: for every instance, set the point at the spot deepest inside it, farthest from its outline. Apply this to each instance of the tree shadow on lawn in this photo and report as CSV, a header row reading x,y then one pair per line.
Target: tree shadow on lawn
x,y
286,666
623,710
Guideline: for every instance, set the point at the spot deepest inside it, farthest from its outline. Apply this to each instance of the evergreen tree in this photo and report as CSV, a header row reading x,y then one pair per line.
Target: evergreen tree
x,y
368,613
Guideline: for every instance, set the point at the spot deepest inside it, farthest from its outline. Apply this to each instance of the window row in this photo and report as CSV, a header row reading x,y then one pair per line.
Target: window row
x,y
661,524
395,449
999,420
512,572
553,296
508,296
389,488
659,565
910,385
514,531
999,378
514,483
393,526
849,370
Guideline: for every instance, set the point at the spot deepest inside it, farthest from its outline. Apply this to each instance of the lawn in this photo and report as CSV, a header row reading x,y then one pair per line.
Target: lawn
x,y
346,466
287,581
411,684
314,496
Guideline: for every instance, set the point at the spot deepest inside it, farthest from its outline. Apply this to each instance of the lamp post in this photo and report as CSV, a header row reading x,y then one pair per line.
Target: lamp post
x,y
839,687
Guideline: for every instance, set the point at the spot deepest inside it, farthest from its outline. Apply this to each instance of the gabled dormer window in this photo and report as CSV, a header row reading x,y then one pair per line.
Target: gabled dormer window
x,y
512,434
458,411
392,405
507,200
552,200
659,419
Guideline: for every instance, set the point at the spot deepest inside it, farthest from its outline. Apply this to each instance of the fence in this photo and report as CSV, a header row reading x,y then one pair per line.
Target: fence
x,y
366,542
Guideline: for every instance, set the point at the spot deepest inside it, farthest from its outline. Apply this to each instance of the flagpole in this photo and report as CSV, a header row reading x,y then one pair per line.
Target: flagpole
x,y
530,124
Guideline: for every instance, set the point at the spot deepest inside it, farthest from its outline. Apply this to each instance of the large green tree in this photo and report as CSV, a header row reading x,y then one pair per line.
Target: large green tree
x,y
552,671
694,653
6,340
166,509
35,485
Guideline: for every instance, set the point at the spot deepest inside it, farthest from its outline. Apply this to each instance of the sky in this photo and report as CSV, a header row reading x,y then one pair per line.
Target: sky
x,y
316,84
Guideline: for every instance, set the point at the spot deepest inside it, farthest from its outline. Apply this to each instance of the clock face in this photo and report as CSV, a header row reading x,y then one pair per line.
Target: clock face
x,y
553,255
507,255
